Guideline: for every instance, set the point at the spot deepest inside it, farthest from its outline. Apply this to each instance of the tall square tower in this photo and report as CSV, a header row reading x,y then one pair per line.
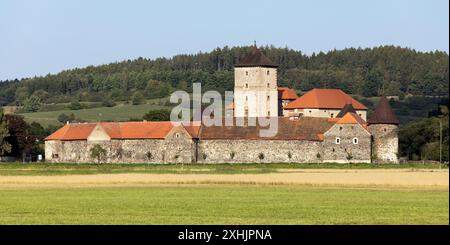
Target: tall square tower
x,y
255,86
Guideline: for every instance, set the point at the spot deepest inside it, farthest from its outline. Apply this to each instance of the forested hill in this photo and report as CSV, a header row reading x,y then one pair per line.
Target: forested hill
x,y
384,70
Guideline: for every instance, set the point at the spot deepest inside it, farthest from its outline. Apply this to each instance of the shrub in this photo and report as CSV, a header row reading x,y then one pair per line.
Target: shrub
x,y
261,156
137,98
157,115
75,105
232,154
97,152
108,103
149,155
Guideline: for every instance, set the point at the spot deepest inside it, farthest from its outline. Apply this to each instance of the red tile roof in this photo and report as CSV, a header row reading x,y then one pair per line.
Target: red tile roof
x,y
307,128
325,99
352,118
120,130
286,93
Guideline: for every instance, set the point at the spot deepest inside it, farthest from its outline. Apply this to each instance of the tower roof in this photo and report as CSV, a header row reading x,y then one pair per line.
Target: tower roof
x,y
256,58
383,113
347,108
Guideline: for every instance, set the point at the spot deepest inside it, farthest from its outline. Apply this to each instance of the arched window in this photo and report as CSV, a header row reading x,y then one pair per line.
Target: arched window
x,y
268,72
246,85
355,141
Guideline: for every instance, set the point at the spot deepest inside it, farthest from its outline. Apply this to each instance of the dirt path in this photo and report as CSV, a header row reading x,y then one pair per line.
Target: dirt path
x,y
321,177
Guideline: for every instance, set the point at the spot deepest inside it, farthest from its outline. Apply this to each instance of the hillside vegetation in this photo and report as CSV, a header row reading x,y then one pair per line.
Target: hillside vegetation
x,y
386,70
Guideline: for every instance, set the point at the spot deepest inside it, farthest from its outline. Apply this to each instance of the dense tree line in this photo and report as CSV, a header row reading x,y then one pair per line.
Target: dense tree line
x,y
386,70
420,139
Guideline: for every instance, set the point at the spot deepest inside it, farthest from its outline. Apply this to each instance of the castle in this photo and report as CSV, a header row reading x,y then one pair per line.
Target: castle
x,y
323,125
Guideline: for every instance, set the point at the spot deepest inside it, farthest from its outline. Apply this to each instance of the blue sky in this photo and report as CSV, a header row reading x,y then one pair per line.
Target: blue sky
x,y
38,37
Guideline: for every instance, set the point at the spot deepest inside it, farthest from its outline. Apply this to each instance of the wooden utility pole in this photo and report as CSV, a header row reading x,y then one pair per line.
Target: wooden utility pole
x,y
440,142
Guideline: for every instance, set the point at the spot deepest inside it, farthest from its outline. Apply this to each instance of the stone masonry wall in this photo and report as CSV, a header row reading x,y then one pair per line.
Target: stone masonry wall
x,y
122,151
385,143
248,151
347,150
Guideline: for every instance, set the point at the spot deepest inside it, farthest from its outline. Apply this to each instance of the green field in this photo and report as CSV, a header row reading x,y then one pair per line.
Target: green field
x,y
223,205
67,169
121,112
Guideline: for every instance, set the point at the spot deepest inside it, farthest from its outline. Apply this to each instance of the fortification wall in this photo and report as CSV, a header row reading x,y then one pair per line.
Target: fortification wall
x,y
353,144
249,151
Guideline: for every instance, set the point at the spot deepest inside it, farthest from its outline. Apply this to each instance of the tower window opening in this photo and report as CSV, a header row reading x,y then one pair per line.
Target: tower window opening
x,y
246,73
355,141
268,85
268,97
246,85
268,72
338,140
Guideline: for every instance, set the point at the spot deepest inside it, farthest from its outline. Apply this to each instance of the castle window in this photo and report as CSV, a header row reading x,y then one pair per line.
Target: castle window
x,y
246,85
384,129
268,72
340,128
268,85
268,113
268,97
355,141
338,140
246,73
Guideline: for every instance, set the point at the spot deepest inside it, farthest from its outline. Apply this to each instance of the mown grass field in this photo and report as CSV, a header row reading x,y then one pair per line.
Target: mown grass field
x,y
223,205
70,169
120,112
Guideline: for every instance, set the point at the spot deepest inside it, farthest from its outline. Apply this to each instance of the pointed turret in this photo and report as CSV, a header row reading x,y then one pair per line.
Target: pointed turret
x,y
383,113
383,125
256,58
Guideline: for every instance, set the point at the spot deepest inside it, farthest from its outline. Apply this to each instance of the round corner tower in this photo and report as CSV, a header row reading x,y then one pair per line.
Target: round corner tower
x,y
383,125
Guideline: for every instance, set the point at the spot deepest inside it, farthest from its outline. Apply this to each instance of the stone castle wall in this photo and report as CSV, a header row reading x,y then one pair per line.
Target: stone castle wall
x,y
354,144
122,151
177,147
252,88
384,142
248,151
